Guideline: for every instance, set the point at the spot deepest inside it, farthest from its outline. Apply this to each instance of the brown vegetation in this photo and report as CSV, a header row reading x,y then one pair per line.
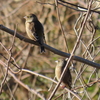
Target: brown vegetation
x,y
25,73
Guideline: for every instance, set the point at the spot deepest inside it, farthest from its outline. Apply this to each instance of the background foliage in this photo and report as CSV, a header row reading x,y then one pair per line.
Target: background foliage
x,y
85,78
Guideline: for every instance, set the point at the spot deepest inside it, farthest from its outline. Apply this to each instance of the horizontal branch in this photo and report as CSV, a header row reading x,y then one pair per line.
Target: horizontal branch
x,y
64,3
58,52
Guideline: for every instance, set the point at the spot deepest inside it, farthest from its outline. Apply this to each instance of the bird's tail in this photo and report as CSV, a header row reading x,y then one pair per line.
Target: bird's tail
x,y
41,45
42,49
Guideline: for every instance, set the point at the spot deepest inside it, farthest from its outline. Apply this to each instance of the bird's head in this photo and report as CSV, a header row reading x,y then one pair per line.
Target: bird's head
x,y
31,17
60,62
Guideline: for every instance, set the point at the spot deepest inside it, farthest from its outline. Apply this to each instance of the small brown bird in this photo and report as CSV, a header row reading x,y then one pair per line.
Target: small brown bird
x,y
35,30
67,79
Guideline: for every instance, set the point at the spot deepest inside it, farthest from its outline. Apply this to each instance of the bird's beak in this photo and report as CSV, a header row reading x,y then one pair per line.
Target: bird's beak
x,y
66,59
25,17
56,61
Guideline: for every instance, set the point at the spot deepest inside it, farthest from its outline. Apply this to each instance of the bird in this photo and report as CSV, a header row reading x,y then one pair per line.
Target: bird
x,y
67,79
35,30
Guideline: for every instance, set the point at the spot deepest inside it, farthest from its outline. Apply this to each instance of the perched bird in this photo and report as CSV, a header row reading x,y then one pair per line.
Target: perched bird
x,y
35,30
67,79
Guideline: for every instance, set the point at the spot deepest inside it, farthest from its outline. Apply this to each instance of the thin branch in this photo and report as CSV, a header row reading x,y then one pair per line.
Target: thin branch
x,y
21,83
84,9
69,5
15,10
61,27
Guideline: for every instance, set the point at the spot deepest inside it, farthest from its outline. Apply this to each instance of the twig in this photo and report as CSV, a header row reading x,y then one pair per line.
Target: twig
x,y
22,84
14,11
56,3
8,61
84,9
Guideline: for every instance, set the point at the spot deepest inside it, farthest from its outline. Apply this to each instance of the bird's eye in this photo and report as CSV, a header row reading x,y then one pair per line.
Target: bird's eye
x,y
28,16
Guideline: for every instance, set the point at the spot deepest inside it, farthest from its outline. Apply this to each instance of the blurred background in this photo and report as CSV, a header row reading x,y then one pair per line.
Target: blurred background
x,y
85,78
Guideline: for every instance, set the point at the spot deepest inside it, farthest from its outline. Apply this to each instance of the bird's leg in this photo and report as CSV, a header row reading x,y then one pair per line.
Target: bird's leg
x,y
63,86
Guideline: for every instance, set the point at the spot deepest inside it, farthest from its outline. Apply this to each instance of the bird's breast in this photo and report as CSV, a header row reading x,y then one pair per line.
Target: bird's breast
x,y
58,73
29,31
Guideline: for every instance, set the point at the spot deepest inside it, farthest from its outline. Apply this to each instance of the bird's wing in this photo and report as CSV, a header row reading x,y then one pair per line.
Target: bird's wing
x,y
67,78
